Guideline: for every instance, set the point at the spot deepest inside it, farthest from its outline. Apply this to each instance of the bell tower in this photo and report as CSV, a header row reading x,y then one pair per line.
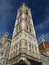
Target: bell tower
x,y
24,43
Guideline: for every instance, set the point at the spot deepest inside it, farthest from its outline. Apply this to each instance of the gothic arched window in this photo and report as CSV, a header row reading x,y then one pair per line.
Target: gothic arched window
x,y
26,11
35,48
29,47
29,20
19,27
20,19
1,53
26,18
26,44
20,12
30,29
27,27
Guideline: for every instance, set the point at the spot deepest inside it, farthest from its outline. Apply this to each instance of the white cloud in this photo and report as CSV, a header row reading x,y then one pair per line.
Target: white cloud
x,y
43,25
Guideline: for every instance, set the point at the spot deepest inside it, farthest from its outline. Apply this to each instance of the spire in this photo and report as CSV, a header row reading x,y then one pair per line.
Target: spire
x,y
23,4
6,34
42,40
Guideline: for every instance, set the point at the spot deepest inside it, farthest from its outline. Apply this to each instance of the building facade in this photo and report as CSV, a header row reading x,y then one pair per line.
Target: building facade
x,y
22,49
4,49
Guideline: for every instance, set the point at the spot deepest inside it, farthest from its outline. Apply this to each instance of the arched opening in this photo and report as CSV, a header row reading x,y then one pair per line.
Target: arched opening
x,y
21,62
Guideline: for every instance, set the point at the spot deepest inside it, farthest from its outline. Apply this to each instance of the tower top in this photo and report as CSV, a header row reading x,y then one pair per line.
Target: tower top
x,y
23,5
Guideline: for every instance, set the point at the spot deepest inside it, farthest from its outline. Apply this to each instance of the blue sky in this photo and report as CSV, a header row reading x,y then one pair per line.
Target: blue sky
x,y
40,15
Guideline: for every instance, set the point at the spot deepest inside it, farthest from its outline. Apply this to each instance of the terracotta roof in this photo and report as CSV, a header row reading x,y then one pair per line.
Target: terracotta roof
x,y
44,45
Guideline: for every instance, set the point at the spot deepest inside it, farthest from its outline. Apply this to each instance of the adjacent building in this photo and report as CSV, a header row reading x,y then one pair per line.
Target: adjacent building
x,y
4,49
44,51
44,48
